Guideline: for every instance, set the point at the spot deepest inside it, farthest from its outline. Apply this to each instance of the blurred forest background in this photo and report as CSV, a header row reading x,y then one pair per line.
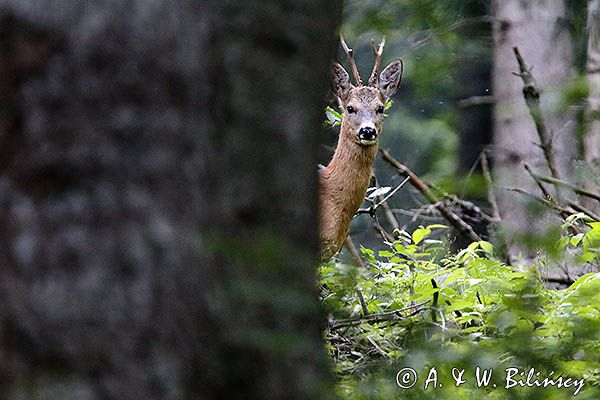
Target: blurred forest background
x,y
459,99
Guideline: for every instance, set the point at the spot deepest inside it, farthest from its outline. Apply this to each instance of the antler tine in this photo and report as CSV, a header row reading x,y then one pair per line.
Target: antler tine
x,y
374,78
350,56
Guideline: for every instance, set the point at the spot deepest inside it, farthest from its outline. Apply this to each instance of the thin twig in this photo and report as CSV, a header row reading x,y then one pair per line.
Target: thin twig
x,y
417,214
384,235
485,168
560,182
393,192
387,211
383,202
545,192
391,218
587,211
547,203
359,262
538,182
563,211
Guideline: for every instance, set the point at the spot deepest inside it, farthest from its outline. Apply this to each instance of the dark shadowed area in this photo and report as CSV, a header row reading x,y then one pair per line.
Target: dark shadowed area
x,y
157,189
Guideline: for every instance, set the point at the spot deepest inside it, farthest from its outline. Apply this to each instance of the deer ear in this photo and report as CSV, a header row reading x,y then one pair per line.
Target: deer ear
x,y
340,81
389,80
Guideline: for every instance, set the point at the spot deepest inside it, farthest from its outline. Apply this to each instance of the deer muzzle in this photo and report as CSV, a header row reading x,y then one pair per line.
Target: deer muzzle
x,y
367,135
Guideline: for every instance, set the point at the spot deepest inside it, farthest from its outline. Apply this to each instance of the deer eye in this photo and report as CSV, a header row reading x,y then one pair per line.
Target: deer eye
x,y
379,110
351,110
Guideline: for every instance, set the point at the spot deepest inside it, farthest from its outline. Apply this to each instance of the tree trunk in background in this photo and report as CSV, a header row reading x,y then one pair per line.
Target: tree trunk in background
x,y
158,198
591,139
539,30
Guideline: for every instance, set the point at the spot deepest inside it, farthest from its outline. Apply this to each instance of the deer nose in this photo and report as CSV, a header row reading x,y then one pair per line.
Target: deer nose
x,y
367,134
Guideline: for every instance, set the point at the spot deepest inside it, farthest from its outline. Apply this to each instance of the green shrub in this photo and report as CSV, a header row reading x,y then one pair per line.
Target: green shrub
x,y
423,307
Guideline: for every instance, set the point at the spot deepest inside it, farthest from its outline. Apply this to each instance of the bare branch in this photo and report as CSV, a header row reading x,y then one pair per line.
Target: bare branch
x,y
379,317
580,208
384,235
393,192
576,189
464,228
547,203
532,98
543,189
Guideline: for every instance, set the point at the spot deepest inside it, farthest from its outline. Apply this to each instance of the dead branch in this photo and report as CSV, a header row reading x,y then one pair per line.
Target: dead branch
x,y
586,211
538,182
464,228
560,182
384,235
382,201
545,202
563,211
532,99
379,317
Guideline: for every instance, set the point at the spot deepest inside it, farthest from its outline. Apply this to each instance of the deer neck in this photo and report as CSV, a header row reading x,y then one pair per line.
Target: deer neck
x,y
350,172
343,185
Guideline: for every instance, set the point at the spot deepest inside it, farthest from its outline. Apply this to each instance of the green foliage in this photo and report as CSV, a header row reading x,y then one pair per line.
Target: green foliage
x,y
332,117
463,310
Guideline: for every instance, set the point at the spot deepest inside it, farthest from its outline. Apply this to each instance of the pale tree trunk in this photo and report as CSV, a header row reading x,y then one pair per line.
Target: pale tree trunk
x,y
539,30
158,198
591,139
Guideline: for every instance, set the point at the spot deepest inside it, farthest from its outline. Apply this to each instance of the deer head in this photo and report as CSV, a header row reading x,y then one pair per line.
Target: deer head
x,y
363,105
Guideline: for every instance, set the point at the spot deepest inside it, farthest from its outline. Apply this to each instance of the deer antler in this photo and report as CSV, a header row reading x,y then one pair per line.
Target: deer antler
x,y
374,78
350,56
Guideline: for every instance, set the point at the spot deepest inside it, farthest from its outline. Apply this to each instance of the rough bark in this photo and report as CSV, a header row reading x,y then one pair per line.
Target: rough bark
x,y
539,29
158,198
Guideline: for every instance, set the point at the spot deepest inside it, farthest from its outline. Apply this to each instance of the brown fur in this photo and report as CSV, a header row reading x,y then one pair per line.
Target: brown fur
x,y
344,182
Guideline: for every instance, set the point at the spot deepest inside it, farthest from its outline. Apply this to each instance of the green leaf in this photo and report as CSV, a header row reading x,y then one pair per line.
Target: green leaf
x,y
419,234
487,247
385,253
333,117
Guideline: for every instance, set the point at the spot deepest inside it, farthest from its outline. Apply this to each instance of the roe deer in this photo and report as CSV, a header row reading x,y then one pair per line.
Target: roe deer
x,y
344,182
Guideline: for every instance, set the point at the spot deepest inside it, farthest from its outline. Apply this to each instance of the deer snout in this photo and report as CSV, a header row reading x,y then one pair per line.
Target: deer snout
x,y
367,135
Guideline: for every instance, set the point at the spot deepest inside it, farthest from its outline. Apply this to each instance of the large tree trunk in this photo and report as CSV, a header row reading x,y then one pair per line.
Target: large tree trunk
x,y
539,30
158,198
591,139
